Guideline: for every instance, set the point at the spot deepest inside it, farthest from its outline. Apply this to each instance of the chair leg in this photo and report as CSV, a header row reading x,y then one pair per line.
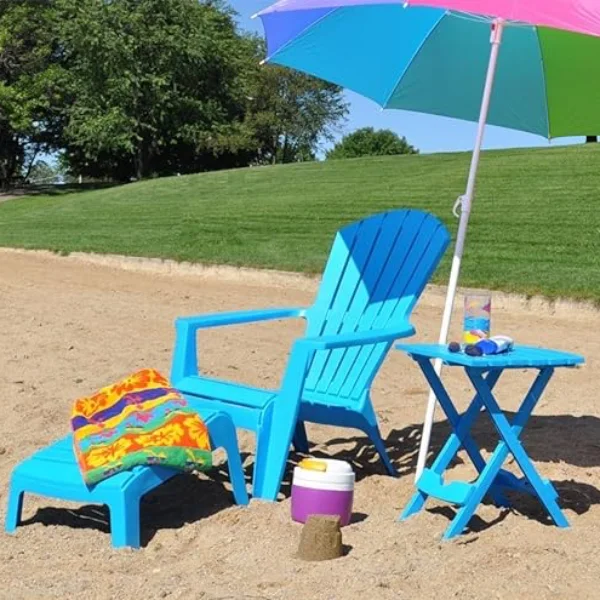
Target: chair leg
x,y
375,435
268,461
125,522
260,460
372,430
15,507
223,435
300,440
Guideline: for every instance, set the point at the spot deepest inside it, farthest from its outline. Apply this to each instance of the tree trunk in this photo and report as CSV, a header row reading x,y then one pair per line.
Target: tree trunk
x,y
141,160
285,149
11,155
591,139
4,171
31,163
275,148
138,162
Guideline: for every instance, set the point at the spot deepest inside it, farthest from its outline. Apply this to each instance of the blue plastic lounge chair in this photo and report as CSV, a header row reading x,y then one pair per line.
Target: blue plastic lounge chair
x,y
377,269
53,472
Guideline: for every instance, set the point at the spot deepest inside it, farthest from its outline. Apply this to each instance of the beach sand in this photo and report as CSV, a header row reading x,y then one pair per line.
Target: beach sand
x,y
69,327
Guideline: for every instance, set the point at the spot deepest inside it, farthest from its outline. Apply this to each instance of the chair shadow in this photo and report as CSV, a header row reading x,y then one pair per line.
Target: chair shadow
x,y
181,500
547,439
186,498
402,446
359,452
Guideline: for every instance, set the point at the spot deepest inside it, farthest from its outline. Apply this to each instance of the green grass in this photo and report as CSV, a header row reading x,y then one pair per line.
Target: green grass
x,y
535,225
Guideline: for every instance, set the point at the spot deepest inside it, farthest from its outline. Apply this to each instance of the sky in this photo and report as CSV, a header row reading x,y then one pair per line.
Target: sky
x,y
428,133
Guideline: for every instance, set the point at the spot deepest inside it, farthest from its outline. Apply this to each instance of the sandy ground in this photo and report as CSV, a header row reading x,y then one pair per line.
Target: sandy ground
x,y
68,328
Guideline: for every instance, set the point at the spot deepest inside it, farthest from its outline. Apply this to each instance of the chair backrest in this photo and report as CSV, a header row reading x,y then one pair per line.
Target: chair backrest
x,y
376,271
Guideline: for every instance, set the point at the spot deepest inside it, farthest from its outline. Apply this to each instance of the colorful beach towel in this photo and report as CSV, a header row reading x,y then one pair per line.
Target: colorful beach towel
x,y
140,420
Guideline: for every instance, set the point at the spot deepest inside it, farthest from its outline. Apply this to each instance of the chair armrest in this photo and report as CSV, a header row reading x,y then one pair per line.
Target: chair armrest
x,y
185,353
345,340
239,317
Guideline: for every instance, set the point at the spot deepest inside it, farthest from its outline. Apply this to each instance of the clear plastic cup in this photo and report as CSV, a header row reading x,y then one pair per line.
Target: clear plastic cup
x,y
477,320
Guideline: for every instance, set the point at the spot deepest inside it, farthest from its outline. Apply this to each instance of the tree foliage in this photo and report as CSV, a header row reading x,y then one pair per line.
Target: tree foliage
x,y
154,83
30,83
136,88
290,114
369,142
43,172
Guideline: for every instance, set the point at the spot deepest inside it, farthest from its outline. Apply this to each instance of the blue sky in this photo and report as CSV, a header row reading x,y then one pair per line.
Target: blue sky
x,y
428,133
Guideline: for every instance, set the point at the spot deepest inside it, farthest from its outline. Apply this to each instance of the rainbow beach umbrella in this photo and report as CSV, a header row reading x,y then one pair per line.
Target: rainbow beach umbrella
x,y
443,57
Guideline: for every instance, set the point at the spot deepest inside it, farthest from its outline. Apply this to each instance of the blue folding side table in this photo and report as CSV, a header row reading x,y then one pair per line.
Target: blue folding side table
x,y
484,372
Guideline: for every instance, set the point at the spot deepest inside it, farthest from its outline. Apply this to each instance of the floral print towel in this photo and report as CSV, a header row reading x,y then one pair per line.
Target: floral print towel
x,y
140,420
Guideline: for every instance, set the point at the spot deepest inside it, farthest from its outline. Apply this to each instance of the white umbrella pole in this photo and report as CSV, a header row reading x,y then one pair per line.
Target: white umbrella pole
x,y
465,210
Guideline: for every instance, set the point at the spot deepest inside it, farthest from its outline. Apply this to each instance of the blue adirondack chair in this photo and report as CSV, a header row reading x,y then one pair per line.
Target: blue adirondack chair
x,y
377,269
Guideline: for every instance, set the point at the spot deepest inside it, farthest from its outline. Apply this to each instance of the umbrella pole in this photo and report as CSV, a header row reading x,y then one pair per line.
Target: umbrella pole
x,y
464,202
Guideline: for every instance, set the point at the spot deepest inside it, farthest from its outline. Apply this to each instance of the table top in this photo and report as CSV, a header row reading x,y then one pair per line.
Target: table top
x,y
518,357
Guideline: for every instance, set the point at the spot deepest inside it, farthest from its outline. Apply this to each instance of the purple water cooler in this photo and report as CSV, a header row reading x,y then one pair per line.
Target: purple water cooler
x,y
318,492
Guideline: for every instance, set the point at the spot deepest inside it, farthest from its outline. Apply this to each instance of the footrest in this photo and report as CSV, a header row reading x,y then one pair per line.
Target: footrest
x,y
432,484
53,472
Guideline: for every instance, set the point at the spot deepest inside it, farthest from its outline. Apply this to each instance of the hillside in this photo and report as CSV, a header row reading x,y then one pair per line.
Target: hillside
x,y
535,227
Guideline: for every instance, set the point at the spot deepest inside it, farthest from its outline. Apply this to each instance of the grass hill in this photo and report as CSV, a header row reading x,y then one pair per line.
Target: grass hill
x,y
535,225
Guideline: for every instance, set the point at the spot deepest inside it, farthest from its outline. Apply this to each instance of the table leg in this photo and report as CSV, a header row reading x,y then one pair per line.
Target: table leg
x,y
480,488
511,432
461,425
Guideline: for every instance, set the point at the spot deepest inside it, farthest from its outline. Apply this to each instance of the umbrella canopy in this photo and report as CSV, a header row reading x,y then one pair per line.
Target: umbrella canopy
x,y
434,61
582,16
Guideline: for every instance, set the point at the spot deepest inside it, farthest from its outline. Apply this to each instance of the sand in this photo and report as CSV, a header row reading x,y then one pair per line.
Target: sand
x,y
69,327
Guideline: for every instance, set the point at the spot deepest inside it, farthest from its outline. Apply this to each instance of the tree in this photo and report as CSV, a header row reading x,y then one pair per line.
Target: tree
x,y
42,172
30,80
154,84
368,142
135,88
290,114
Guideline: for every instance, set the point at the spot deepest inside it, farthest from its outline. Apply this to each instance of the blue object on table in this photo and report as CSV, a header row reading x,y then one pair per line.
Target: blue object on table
x,y
53,471
484,372
377,269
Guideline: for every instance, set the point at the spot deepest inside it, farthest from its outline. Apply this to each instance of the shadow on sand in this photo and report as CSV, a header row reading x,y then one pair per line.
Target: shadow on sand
x,y
547,439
